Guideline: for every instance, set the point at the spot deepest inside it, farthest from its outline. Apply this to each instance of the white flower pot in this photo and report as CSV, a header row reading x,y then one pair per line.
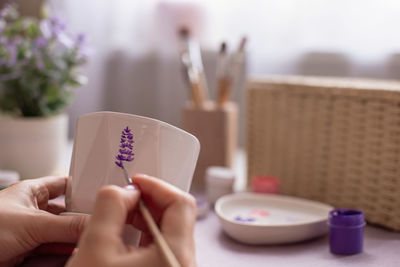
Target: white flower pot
x,y
33,147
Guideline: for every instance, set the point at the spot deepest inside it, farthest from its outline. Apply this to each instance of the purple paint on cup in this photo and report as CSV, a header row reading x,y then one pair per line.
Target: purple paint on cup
x,y
125,148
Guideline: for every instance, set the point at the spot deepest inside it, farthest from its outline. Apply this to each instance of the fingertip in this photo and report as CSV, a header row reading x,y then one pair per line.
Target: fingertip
x,y
109,191
113,192
116,196
191,201
161,193
141,176
141,180
130,187
112,206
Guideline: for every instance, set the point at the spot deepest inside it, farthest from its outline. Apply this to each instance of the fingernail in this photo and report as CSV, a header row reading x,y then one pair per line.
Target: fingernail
x,y
142,175
130,187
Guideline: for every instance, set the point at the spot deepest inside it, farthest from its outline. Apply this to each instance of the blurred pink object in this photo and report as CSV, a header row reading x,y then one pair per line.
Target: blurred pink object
x,y
265,184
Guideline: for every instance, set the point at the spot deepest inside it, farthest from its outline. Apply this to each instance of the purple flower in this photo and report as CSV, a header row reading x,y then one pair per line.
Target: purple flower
x,y
3,40
82,50
56,26
125,148
9,12
3,12
52,28
12,54
39,63
40,42
80,40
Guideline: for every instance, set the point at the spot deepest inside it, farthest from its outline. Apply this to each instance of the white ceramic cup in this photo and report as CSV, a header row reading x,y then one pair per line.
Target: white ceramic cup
x,y
159,149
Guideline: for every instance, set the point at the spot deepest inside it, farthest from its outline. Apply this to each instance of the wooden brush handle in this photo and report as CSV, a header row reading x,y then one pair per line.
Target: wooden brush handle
x,y
157,236
197,95
224,91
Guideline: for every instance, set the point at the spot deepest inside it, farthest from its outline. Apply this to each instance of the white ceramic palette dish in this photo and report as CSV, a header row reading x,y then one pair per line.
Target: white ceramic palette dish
x,y
271,219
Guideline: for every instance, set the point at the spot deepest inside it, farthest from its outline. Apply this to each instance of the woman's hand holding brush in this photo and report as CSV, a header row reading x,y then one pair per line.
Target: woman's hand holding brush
x,y
172,209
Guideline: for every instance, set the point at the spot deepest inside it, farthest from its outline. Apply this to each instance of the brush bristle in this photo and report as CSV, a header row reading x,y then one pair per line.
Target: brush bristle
x,y
184,32
223,48
243,42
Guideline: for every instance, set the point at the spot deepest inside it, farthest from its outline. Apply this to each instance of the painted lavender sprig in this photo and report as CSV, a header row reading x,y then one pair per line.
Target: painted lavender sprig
x,y
125,148
125,151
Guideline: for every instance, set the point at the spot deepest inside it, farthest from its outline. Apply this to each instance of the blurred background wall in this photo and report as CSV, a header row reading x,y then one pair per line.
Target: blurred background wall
x,y
135,66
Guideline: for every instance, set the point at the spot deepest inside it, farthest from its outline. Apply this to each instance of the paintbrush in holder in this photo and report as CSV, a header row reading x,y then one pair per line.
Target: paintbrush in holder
x,y
213,123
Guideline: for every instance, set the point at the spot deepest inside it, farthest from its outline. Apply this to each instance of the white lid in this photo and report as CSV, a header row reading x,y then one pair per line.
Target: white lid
x,y
8,177
220,175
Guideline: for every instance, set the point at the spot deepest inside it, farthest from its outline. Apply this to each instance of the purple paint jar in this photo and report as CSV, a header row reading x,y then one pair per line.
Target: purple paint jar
x,y
346,229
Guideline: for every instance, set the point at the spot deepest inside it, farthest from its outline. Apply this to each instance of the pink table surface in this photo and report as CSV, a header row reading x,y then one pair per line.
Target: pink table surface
x,y
214,248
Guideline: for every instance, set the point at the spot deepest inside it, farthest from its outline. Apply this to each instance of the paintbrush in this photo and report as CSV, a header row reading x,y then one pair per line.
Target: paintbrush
x,y
193,65
197,92
126,155
238,61
184,55
155,232
224,80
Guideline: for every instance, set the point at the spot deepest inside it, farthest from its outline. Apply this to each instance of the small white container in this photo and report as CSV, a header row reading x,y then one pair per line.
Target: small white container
x,y
219,182
7,178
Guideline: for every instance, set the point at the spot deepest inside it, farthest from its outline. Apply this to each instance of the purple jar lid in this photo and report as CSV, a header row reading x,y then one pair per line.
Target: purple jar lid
x,y
346,231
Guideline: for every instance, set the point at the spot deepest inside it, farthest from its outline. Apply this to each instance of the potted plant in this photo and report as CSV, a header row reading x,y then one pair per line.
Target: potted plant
x,y
38,69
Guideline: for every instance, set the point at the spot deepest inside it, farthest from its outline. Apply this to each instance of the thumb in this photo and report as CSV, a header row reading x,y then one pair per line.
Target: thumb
x,y
62,229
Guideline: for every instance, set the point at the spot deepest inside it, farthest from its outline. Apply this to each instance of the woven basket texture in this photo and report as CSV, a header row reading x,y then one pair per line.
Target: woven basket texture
x,y
332,140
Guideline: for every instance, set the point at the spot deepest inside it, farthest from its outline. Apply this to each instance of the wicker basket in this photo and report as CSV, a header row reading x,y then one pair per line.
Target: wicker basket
x,y
331,140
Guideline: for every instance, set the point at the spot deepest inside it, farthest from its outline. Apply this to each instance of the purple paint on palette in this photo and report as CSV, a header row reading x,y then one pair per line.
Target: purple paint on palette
x,y
244,219
125,148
